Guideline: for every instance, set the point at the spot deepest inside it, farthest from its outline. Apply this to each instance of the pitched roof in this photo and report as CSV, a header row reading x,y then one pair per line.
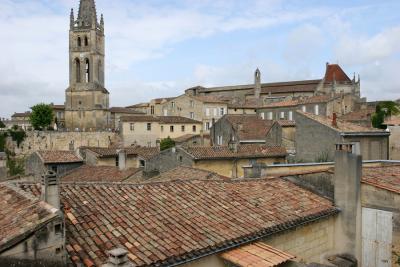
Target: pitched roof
x,y
125,110
88,173
139,105
359,115
286,123
184,138
291,86
250,127
21,114
394,120
58,107
144,152
335,72
342,126
212,99
244,151
285,103
20,214
160,100
385,177
169,223
184,173
160,119
58,156
257,254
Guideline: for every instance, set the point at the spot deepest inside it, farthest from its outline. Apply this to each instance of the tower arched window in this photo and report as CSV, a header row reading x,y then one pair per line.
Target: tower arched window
x,y
78,70
99,73
87,72
86,41
79,41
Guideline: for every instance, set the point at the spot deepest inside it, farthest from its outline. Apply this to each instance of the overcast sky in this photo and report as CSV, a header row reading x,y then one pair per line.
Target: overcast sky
x,y
157,48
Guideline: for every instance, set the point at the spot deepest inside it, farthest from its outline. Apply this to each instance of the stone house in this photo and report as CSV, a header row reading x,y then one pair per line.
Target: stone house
x,y
245,129
288,135
200,108
393,126
156,106
316,137
32,229
134,156
362,117
117,112
59,162
141,107
22,120
224,160
150,130
59,115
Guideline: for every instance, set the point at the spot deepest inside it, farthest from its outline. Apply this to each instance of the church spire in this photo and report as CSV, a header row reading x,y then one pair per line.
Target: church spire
x,y
71,19
87,15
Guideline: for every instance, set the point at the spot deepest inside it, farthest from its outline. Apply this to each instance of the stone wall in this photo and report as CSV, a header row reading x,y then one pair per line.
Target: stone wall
x,y
37,140
167,160
394,142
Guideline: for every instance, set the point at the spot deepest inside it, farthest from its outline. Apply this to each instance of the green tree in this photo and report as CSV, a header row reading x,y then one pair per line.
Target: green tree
x,y
2,125
41,116
166,143
383,110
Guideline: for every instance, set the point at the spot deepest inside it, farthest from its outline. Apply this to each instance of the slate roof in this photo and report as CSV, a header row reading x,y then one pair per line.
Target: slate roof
x,y
88,173
249,127
144,152
244,151
20,215
160,119
257,255
169,223
385,177
58,156
342,126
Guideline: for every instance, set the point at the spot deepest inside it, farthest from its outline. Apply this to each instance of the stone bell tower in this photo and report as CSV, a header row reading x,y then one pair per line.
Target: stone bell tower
x,y
87,100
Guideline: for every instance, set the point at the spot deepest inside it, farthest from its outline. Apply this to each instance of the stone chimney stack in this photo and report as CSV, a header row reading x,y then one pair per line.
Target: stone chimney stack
x,y
118,258
334,120
347,187
257,84
51,189
121,159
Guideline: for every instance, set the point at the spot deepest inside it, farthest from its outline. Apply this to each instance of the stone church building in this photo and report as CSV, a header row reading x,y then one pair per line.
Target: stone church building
x,y
87,100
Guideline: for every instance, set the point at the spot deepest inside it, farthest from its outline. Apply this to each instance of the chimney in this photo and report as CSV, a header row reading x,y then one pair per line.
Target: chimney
x,y
334,120
347,187
121,159
118,258
257,84
202,137
51,189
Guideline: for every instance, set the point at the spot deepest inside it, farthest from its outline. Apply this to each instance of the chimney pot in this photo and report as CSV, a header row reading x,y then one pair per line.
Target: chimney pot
x,y
121,159
51,189
118,258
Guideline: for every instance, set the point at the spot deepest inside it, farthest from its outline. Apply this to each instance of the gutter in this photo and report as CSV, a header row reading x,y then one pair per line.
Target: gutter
x,y
345,134
256,237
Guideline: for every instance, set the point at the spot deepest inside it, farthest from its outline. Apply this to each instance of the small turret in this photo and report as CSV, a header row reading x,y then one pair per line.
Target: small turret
x,y
71,19
257,84
102,22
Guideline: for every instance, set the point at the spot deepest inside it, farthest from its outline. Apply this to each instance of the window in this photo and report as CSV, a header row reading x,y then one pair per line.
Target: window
x,y
191,115
132,127
99,72
86,41
262,115
79,42
172,104
183,128
270,115
117,161
304,108
142,163
194,128
180,158
316,110
162,128
171,128
208,126
57,228
87,70
207,112
219,140
152,110
78,70
290,115
282,115
148,126
191,103
165,111
221,111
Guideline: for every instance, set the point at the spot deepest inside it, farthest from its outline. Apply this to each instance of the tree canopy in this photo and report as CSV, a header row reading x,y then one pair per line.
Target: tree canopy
x,y
166,143
383,110
2,125
41,116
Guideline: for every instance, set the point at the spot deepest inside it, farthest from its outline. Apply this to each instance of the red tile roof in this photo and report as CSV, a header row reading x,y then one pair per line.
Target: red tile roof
x,y
257,255
20,215
169,223
285,103
342,126
99,174
186,173
58,156
289,87
359,115
335,72
385,177
144,152
286,123
244,151
249,127
394,120
160,119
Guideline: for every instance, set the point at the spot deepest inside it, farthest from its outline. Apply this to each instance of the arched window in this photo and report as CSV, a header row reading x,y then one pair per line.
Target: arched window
x,y
99,76
78,70
87,70
86,41
79,42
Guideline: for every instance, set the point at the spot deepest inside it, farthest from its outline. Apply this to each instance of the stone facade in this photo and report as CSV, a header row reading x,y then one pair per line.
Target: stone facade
x,y
3,166
87,100
394,142
37,140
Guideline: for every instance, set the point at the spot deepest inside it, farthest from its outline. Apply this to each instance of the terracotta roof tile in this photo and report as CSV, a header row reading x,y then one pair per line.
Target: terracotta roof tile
x,y
250,127
99,174
125,110
165,223
185,172
257,254
394,120
160,119
335,72
285,103
342,126
58,156
244,151
20,214
385,177
144,152
359,115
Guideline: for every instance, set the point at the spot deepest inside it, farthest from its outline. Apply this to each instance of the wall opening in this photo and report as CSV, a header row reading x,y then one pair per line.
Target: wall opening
x,y
87,78
78,70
